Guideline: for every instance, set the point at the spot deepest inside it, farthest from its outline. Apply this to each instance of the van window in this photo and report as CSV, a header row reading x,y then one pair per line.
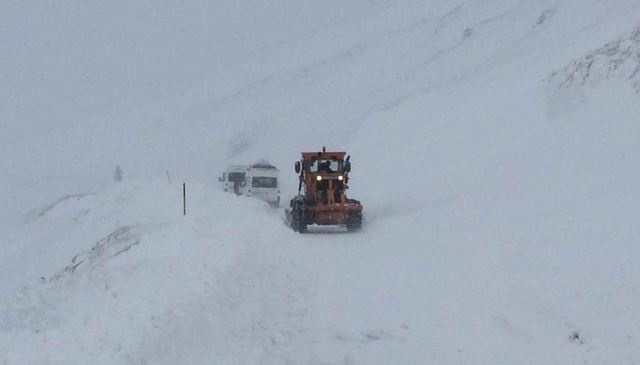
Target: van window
x,y
236,176
264,182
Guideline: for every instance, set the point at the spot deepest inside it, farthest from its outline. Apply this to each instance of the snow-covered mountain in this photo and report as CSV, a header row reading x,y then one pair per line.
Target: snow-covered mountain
x,y
494,146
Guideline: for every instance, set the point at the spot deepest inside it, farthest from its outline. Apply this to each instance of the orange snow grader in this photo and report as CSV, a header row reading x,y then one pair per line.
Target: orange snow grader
x,y
324,177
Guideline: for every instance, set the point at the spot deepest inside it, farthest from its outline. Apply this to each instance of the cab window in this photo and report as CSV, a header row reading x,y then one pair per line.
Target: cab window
x,y
326,166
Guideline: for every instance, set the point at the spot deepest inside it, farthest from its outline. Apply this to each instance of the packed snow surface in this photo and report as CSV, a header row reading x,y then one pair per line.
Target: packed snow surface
x,y
495,148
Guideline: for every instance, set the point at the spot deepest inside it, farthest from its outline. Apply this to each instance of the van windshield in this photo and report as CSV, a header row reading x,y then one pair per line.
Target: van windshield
x,y
236,176
264,182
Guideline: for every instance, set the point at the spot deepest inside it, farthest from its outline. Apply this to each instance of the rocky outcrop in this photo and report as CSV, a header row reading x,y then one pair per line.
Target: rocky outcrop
x,y
616,60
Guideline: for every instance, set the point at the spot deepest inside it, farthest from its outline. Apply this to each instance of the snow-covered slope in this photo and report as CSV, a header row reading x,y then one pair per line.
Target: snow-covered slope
x,y
494,145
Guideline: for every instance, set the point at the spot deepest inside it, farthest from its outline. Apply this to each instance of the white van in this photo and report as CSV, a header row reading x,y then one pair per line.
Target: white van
x,y
233,179
262,183
259,180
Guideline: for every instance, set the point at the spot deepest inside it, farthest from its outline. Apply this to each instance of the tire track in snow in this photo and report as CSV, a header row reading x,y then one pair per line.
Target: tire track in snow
x,y
250,313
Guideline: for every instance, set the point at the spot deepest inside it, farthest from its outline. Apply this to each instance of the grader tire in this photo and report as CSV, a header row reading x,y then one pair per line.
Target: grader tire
x,y
297,219
354,222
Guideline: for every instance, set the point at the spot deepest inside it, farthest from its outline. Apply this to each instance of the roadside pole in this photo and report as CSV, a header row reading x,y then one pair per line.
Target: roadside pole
x,y
184,198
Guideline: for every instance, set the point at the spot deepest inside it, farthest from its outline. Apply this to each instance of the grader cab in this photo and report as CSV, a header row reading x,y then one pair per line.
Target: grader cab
x,y
322,193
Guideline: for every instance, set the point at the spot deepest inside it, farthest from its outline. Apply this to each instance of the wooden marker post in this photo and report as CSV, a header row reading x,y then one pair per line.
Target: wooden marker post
x,y
184,199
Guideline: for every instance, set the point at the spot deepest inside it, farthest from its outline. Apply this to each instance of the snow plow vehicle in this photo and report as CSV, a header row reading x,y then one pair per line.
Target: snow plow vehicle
x,y
324,177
